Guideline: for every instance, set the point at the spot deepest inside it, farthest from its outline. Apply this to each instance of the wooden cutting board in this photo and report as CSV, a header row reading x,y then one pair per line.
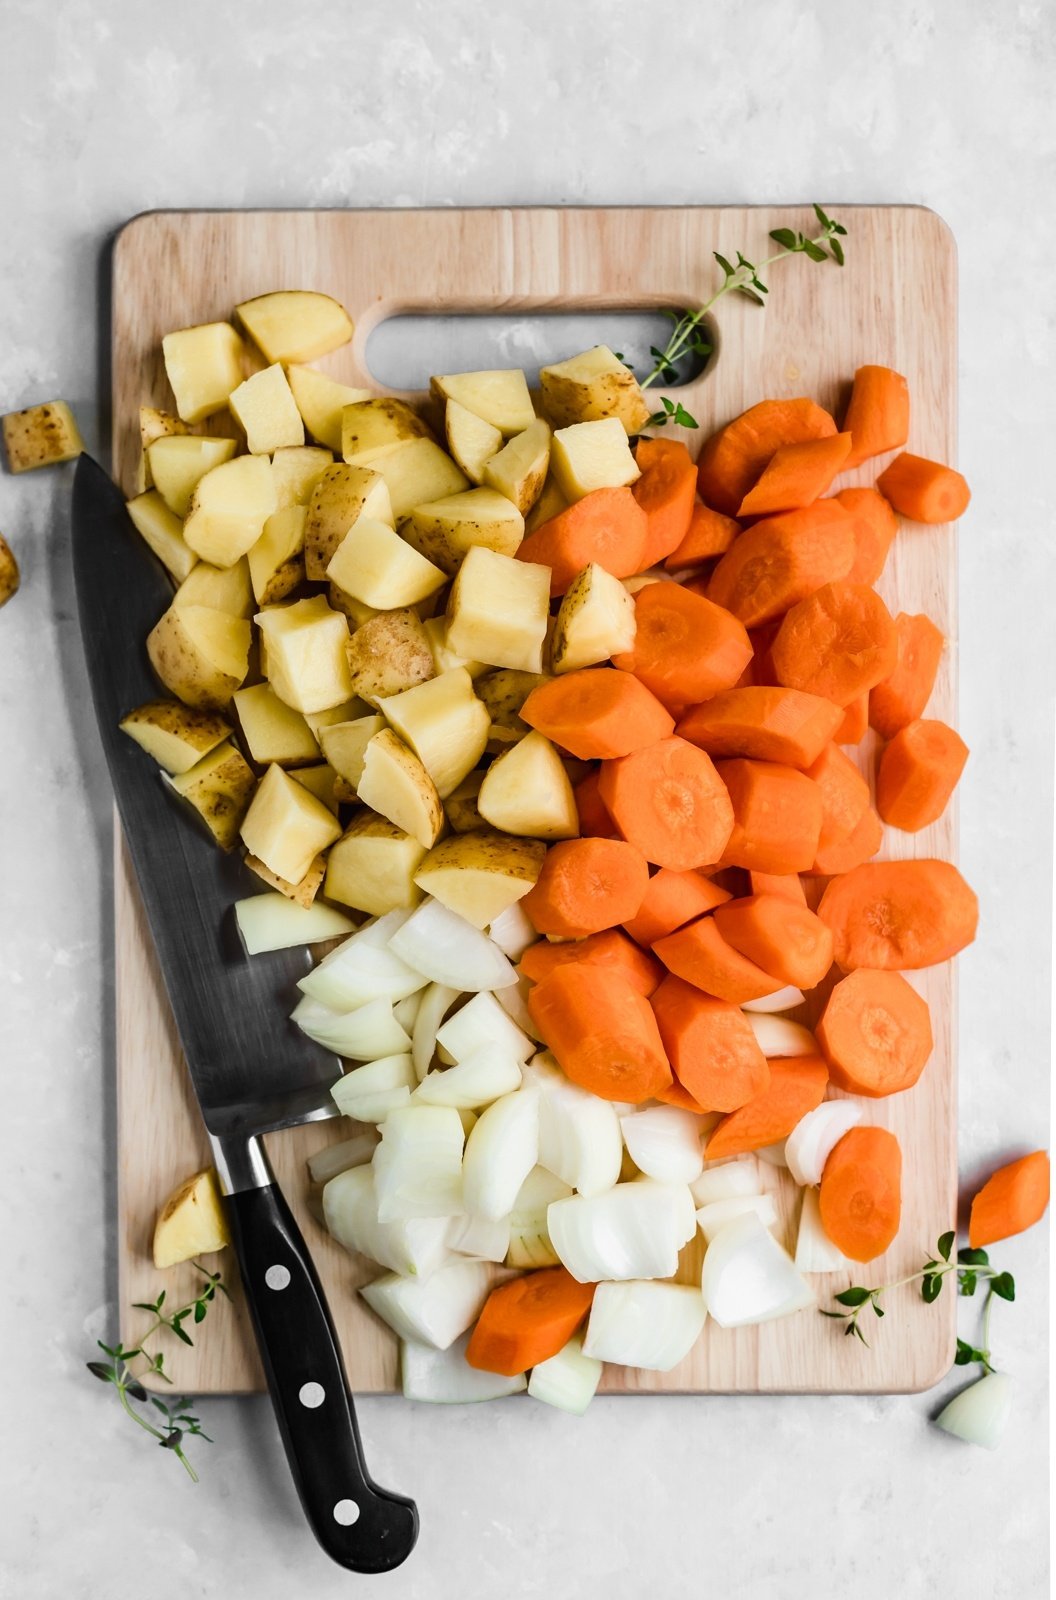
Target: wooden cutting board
x,y
894,303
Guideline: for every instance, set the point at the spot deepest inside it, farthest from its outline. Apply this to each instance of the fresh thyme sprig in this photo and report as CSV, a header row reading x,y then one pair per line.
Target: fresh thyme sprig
x,y
744,278
178,1420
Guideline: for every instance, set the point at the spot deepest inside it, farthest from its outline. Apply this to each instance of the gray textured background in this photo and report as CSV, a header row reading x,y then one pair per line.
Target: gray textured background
x,y
110,109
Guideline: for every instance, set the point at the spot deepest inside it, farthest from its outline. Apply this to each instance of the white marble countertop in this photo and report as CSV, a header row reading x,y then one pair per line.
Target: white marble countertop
x,y
113,108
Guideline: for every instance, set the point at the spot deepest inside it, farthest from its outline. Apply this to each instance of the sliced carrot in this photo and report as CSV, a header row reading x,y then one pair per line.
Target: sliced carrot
x,y
875,1033
671,900
710,534
924,491
594,820
796,476
855,722
782,938
874,525
597,713
699,954
666,492
685,648
781,560
675,1095
777,817
861,1193
797,1085
586,885
766,724
670,802
607,527
732,459
918,773
1011,1200
602,1032
710,1045
610,948
844,796
898,915
838,643
860,845
901,698
527,1321
789,885
878,413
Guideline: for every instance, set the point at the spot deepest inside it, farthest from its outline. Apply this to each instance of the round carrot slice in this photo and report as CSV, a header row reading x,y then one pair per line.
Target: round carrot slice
x,y
861,1193
875,1032
838,643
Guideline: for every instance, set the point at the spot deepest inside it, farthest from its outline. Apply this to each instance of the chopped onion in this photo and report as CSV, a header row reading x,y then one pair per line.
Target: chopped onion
x,y
482,1023
579,1135
781,1000
664,1142
436,1001
500,1152
433,1310
815,1251
418,1164
445,1377
651,1325
980,1413
369,1093
468,1119
514,1001
718,1213
363,968
448,949
350,1210
726,1179
634,1230
365,1034
568,1380
334,1158
275,922
812,1140
406,1011
483,1077
486,1241
772,1154
512,931
529,1237
749,1278
778,1036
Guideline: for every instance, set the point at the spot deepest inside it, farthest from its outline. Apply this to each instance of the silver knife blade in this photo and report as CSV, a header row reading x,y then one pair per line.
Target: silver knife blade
x,y
251,1068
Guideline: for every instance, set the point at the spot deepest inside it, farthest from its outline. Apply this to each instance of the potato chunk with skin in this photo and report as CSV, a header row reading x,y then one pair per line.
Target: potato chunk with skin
x,y
504,693
272,730
203,365
596,621
418,472
592,386
229,508
307,663
322,781
549,503
154,424
341,495
264,407
396,785
191,1222
373,564
302,893
519,471
388,654
499,396
200,655
177,736
470,439
296,470
376,426
371,867
345,744
321,400
41,436
526,791
179,462
276,561
444,530
479,875
286,827
592,455
445,658
219,787
461,805
295,324
498,610
445,725
162,531
223,588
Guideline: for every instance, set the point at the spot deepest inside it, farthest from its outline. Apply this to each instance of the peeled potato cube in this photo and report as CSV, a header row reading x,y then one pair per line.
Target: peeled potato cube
x,y
272,730
418,472
321,400
480,875
498,610
519,470
322,781
302,893
307,664
219,787
222,588
162,530
549,503
203,365
596,621
460,807
41,436
295,324
396,785
444,658
296,470
264,407
178,463
373,564
371,867
342,494
592,386
200,655
445,725
444,530
191,1222
592,455
526,791
388,654
177,736
375,426
229,508
9,574
286,827
470,439
499,396
276,561
345,744
345,712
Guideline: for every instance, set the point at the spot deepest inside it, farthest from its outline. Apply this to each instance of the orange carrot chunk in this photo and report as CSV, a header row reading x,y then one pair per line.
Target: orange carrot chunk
x,y
874,525
855,721
878,413
597,712
796,476
666,492
898,915
699,954
610,948
861,1193
670,802
918,773
786,940
710,1045
671,900
528,1320
838,643
875,1033
1011,1200
601,1031
764,723
776,817
787,884
710,534
732,459
844,854
901,698
607,527
594,820
924,491
675,1095
685,648
783,559
844,796
586,885
797,1085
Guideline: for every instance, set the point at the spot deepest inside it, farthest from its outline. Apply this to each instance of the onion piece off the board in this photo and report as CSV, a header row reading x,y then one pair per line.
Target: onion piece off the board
x,y
980,1413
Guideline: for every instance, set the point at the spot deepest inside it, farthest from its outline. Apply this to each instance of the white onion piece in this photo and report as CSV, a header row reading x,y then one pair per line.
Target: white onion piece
x,y
350,1211
815,1251
448,949
483,1023
514,1001
717,1213
980,1413
778,1036
406,1011
418,1164
634,1230
529,1237
468,1119
433,1310
369,1093
664,1143
363,969
482,1077
500,1152
728,1178
445,1377
512,931
275,922
749,1278
651,1325
781,1000
568,1380
814,1136
365,1034
485,1241
436,1001
579,1135
334,1158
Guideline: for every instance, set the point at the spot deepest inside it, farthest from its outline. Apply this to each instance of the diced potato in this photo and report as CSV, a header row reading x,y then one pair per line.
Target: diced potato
x,y
307,660
519,470
444,724
345,744
162,530
222,588
592,455
504,693
321,400
371,867
526,791
592,386
357,611
549,503
276,561
219,787
498,610
388,654
176,736
203,365
200,655
191,1222
303,893
296,470
273,731
154,424
373,564
500,397
470,439
41,436
341,495
417,473
229,508
178,463
480,875
461,804
596,621
443,657
374,427
295,324
396,785
321,781
286,826
264,407
347,711
9,574
443,530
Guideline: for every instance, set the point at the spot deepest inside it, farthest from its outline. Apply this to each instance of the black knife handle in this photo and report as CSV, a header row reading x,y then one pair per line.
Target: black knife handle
x,y
359,1525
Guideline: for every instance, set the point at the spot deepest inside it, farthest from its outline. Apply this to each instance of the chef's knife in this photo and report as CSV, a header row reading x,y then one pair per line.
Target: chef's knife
x,y
253,1072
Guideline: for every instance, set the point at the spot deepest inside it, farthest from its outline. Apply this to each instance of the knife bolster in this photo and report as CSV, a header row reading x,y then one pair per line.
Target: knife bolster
x,y
241,1163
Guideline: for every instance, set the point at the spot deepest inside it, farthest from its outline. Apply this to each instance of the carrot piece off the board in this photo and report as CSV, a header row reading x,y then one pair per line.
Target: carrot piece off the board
x,y
1011,1200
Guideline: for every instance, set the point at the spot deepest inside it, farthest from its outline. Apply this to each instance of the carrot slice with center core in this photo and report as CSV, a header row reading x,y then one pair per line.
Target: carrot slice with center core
x,y
875,1033
861,1193
586,885
685,648
670,802
899,915
597,712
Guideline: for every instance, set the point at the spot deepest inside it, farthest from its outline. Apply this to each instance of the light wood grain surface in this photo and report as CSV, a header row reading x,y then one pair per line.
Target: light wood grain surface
x,y
895,303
